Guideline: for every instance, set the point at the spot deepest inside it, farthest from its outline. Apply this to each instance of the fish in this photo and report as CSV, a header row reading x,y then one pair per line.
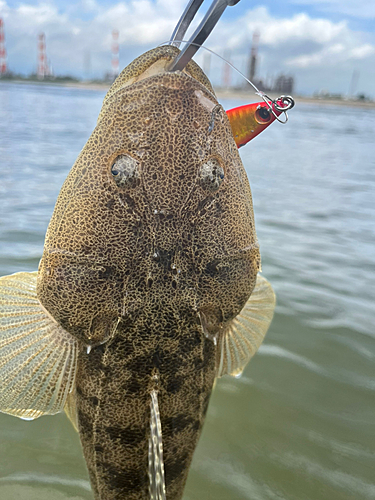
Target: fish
x,y
149,286
250,120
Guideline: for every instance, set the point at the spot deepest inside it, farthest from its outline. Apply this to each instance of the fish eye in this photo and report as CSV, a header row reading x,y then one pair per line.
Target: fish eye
x,y
262,115
125,171
211,175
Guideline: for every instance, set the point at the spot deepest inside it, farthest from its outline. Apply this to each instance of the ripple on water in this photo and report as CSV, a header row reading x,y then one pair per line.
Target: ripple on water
x,y
299,424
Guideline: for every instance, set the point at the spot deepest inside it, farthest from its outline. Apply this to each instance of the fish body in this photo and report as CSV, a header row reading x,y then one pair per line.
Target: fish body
x,y
148,287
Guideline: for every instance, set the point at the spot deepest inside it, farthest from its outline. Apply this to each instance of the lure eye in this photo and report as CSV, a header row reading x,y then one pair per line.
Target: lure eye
x,y
212,175
262,115
125,171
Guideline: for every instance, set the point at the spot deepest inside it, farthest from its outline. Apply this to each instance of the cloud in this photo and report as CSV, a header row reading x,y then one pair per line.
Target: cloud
x,y
300,31
359,9
89,5
318,58
333,54
362,52
299,27
307,46
319,52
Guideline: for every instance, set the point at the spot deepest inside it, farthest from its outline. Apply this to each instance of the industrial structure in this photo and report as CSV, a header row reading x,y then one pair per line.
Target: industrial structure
x,y
3,52
253,56
44,68
227,70
283,84
115,54
207,63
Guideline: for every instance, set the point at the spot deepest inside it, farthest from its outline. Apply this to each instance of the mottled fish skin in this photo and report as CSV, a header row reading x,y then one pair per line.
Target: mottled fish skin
x,y
114,386
150,272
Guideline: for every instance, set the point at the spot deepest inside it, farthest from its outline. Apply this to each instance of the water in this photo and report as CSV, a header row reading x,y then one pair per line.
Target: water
x,y
299,424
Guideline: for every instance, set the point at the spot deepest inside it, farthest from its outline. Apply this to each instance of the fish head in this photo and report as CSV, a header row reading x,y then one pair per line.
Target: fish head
x,y
156,208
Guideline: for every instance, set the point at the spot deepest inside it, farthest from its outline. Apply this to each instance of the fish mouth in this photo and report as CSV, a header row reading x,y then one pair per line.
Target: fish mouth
x,y
152,63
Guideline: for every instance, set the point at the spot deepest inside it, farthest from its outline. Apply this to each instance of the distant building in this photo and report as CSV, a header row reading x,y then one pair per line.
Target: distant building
x,y
284,84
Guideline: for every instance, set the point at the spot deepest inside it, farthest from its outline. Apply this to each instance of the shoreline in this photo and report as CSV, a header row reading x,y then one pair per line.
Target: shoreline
x,y
243,95
247,96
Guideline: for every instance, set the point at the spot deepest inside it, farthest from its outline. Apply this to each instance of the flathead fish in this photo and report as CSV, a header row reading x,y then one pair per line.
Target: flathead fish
x,y
148,287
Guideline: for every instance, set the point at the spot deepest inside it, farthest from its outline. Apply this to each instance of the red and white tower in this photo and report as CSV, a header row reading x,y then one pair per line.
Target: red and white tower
x,y
3,52
115,53
43,69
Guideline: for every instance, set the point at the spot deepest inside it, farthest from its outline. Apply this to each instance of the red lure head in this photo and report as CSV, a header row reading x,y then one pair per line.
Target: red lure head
x,y
250,120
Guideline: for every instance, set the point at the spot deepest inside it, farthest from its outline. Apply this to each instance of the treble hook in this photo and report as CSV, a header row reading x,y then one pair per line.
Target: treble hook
x,y
282,104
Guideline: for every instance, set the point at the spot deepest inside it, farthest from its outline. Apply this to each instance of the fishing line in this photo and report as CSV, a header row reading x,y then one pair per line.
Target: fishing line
x,y
282,104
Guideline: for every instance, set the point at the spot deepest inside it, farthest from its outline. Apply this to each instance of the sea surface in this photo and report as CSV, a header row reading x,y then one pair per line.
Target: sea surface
x,y
300,422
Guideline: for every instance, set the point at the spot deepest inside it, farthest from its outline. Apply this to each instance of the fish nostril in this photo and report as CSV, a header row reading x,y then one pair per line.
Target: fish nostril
x,y
149,282
211,175
174,284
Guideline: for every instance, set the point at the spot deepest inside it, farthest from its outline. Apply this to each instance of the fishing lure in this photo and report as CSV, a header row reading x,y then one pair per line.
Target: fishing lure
x,y
250,120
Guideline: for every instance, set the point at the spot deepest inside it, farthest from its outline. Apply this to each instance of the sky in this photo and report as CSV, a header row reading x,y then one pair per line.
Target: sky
x,y
326,45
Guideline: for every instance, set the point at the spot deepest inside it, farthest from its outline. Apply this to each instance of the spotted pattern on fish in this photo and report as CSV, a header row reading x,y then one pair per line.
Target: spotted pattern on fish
x,y
148,272
115,444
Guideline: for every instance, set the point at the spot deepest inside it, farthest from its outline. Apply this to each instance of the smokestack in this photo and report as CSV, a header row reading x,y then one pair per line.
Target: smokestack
x,y
207,64
87,64
43,69
3,52
354,83
253,56
226,70
115,53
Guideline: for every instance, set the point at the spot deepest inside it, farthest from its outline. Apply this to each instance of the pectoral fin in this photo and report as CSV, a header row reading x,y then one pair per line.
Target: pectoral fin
x,y
38,357
70,409
244,334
